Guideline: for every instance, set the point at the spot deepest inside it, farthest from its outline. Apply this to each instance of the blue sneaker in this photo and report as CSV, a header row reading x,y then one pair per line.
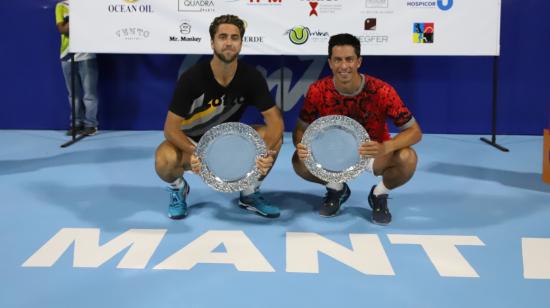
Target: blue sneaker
x,y
178,204
256,203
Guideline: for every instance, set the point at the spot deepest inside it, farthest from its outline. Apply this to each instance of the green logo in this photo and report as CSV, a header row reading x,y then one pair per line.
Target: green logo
x,y
298,35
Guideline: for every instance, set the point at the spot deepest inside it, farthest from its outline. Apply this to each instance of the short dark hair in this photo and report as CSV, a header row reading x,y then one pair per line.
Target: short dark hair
x,y
344,39
226,19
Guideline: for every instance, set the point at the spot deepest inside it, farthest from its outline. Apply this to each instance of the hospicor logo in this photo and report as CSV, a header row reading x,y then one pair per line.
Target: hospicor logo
x,y
444,7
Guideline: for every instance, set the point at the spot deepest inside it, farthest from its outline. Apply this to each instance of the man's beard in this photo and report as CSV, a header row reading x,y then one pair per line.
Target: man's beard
x,y
225,59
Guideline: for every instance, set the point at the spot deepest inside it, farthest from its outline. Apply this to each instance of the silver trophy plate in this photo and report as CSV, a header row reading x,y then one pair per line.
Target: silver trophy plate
x,y
228,154
333,143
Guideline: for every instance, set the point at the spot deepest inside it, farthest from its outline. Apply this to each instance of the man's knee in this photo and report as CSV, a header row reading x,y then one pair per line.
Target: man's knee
x,y
166,158
406,157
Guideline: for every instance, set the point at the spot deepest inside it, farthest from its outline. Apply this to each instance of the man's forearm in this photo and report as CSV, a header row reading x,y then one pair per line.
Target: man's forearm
x,y
406,138
273,134
63,27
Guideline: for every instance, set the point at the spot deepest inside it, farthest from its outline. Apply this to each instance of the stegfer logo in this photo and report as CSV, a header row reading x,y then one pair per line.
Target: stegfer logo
x,y
299,35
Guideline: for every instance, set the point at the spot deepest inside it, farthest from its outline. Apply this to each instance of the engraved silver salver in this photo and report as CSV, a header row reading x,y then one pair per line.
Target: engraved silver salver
x,y
228,154
333,143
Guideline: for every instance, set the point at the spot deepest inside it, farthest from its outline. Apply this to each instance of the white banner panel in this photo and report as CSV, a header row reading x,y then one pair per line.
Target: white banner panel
x,y
289,27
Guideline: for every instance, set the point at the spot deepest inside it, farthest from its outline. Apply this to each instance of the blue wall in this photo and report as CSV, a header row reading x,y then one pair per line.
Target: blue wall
x,y
446,94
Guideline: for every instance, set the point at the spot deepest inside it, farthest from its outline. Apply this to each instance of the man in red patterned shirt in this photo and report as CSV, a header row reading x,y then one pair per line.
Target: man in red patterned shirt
x,y
371,102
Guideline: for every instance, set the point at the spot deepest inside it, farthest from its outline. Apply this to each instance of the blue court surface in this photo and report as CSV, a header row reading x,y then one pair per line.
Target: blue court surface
x,y
86,226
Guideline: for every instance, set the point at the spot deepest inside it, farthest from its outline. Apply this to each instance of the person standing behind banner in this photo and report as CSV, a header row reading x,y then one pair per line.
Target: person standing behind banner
x,y
86,75
371,102
210,93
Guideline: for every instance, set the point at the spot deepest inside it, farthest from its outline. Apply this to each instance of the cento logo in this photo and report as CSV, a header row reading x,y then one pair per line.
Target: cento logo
x,y
298,35
423,33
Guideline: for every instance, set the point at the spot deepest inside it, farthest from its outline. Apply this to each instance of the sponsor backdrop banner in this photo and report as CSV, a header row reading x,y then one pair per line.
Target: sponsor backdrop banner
x,y
288,27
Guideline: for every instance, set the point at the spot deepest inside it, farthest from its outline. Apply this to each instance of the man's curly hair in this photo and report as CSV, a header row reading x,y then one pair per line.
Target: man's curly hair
x,y
226,19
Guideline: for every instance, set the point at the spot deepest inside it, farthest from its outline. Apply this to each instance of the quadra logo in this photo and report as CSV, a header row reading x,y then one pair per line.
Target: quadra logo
x,y
195,5
363,252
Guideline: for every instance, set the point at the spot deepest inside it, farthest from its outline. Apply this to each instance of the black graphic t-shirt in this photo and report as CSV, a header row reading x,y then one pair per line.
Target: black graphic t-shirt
x,y
204,103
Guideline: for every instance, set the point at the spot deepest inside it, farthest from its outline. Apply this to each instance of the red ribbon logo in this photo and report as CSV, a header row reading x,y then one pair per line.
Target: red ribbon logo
x,y
313,7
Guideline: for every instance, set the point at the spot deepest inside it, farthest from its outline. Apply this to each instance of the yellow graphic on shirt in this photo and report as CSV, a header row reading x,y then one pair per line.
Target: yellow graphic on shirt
x,y
207,114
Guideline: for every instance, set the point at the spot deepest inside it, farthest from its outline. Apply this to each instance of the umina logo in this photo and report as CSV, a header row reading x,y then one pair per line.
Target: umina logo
x,y
131,1
423,33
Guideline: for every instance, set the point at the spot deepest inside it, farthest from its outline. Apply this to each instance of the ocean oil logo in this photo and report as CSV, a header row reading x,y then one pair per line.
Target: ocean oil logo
x,y
131,7
423,32
299,35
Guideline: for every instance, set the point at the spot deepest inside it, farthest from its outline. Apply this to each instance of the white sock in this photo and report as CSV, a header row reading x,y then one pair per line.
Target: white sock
x,y
381,189
252,189
370,165
335,186
177,184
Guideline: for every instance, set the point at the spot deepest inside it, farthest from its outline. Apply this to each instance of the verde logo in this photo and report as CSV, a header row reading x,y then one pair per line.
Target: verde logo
x,y
298,35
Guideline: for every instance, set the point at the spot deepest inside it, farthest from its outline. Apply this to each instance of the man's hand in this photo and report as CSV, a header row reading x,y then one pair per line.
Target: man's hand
x,y
372,149
195,164
303,152
266,162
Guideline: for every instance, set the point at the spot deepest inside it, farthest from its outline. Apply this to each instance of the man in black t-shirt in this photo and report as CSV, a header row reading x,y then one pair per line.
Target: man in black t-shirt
x,y
208,94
